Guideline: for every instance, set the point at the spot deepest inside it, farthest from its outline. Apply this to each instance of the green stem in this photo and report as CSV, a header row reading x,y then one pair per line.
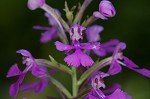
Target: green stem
x,y
60,87
81,11
93,69
55,65
74,82
89,21
59,20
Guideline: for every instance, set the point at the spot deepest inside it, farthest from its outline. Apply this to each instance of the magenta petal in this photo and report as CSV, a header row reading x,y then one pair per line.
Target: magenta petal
x,y
28,87
49,34
119,94
62,47
41,85
112,88
99,15
37,87
34,4
107,47
37,27
115,68
13,71
100,52
77,58
90,46
131,65
93,32
39,71
73,60
121,46
24,52
13,89
110,45
106,8
84,59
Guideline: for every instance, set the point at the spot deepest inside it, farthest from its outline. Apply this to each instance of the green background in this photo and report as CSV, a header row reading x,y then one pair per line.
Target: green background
x,y
130,25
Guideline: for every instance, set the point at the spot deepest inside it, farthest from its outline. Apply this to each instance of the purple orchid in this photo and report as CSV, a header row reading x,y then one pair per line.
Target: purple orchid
x,y
31,65
119,59
78,57
50,32
34,4
93,36
106,9
96,93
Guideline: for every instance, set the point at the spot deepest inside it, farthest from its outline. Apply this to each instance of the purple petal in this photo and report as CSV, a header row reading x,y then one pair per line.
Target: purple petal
x,y
93,33
107,47
48,35
99,15
84,59
34,4
37,87
115,68
121,46
62,47
119,94
131,65
100,52
13,71
37,27
77,58
107,9
13,89
110,45
112,88
90,46
96,94
24,52
72,60
39,71
41,86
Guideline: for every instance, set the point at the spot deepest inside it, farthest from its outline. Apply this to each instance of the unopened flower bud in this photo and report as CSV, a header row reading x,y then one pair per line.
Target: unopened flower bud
x,y
34,4
106,9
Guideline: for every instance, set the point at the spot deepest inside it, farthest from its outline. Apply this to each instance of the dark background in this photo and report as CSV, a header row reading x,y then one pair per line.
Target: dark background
x,y
131,25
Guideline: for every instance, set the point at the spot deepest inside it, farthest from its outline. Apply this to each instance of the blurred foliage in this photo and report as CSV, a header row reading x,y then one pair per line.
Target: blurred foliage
x,y
131,25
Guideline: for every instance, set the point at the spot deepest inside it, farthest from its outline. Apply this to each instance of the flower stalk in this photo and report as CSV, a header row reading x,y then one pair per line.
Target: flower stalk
x,y
74,82
81,11
60,87
54,65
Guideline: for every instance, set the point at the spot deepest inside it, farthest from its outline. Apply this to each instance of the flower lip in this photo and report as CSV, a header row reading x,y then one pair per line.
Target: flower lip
x,y
97,81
